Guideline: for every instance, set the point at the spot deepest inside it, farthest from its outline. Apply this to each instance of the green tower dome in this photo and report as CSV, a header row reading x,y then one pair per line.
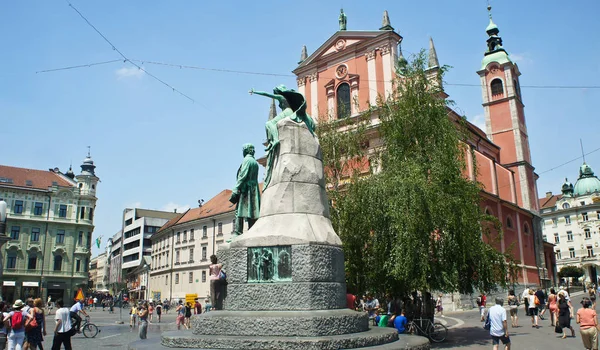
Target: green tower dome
x,y
587,182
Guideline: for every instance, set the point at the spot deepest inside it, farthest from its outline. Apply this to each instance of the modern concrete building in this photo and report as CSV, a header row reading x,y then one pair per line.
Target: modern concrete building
x,y
130,245
181,249
572,223
50,225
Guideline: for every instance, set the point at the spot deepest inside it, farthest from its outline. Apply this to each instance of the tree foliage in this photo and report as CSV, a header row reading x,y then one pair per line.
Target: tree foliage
x,y
571,271
417,223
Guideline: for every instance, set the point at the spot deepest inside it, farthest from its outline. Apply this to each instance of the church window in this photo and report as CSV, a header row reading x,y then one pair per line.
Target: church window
x,y
497,87
343,101
526,228
93,187
509,223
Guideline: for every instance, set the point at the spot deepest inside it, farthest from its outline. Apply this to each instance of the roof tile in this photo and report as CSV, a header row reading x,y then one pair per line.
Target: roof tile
x,y
39,179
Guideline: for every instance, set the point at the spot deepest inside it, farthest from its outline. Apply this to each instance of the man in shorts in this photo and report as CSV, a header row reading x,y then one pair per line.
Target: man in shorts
x,y
498,325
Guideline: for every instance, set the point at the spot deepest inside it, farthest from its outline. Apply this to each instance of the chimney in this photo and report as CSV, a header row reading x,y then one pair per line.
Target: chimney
x,y
548,194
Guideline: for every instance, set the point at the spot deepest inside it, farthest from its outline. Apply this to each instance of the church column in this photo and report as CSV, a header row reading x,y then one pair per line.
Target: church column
x,y
302,85
372,77
314,95
388,67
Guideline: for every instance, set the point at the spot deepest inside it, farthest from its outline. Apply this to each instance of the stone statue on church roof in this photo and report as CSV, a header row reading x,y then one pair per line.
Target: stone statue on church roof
x,y
343,20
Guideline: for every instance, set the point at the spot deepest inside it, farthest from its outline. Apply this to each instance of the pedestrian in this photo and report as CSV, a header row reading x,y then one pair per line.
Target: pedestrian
x,y
17,319
143,315
498,325
35,335
95,300
438,305
150,312
481,301
111,306
197,307
74,312
159,310
4,325
49,305
27,308
188,314
552,307
63,331
542,302
533,302
525,298
166,306
565,314
588,324
513,303
133,316
180,310
215,282
592,293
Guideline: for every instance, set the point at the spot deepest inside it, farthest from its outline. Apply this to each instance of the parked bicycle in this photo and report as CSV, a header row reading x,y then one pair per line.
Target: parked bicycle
x,y
88,329
435,331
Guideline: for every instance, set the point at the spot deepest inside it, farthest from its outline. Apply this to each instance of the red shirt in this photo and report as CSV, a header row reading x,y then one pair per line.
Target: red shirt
x,y
350,301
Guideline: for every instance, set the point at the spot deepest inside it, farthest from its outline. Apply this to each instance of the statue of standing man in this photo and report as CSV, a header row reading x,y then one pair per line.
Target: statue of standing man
x,y
343,20
246,193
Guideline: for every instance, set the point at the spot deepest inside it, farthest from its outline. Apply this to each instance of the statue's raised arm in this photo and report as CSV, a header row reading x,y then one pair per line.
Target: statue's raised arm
x,y
277,97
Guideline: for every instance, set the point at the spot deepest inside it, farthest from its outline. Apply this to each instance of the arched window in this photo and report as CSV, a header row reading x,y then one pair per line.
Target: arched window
x,y
566,206
509,222
488,211
497,87
526,228
58,262
343,101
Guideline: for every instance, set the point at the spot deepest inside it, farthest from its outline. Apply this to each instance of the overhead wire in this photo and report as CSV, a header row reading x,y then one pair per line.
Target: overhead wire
x,y
123,55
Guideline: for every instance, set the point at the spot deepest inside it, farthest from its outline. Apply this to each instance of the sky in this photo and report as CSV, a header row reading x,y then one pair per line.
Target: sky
x,y
155,148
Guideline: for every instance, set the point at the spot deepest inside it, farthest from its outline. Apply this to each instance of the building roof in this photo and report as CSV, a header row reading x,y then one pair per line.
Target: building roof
x,y
549,201
149,213
32,178
587,183
171,222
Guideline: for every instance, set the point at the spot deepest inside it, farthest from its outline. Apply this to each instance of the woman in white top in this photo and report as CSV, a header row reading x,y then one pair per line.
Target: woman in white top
x,y
533,309
215,282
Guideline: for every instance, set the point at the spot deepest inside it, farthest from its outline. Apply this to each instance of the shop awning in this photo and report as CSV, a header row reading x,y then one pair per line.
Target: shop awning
x,y
31,284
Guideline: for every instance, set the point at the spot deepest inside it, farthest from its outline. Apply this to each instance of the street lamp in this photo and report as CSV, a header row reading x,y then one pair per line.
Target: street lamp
x,y
147,270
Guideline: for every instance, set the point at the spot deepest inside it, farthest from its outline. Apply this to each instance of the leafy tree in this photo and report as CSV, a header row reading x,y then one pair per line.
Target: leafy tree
x,y
571,271
416,224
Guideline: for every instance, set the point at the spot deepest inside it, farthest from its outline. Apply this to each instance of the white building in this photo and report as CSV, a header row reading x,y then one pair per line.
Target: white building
x,y
98,272
181,249
572,223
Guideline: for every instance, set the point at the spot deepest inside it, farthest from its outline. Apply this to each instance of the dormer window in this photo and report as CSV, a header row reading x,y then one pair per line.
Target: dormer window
x,y
497,87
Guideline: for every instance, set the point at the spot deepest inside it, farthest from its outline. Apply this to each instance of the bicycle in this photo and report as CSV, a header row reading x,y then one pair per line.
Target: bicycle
x,y
435,331
89,330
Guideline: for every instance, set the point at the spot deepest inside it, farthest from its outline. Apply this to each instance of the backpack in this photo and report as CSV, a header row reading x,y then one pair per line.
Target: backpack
x,y
488,324
16,321
479,301
222,275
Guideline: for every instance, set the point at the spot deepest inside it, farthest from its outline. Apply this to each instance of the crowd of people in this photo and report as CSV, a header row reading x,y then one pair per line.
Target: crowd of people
x,y
538,303
24,324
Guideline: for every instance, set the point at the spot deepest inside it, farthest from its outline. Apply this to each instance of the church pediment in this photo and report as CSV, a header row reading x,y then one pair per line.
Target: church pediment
x,y
342,41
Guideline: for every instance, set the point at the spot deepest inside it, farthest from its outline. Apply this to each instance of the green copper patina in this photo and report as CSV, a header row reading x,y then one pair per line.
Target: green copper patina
x,y
246,193
343,20
270,264
293,106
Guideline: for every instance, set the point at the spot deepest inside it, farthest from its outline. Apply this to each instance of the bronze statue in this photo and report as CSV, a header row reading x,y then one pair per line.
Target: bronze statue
x,y
292,105
246,193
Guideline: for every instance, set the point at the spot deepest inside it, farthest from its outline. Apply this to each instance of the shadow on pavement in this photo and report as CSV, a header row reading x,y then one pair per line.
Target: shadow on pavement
x,y
464,337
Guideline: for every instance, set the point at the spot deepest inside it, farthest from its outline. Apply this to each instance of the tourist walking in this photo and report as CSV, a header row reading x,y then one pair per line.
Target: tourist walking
x,y
143,314
17,319
63,330
150,311
197,307
592,293
513,304
553,307
541,305
498,325
180,310
158,310
35,335
533,302
3,329
588,324
133,316
565,314
188,314
481,301
439,308
525,298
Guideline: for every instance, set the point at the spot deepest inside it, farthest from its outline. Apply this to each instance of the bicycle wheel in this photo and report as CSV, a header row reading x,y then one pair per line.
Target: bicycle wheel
x,y
411,328
90,330
437,332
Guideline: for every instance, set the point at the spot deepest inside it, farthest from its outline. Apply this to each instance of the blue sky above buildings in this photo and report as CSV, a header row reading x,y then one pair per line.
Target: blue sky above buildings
x,y
156,149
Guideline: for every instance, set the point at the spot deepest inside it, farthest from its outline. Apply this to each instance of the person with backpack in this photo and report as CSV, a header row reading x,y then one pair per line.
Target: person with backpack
x,y
481,301
35,330
17,318
159,310
188,315
63,331
180,315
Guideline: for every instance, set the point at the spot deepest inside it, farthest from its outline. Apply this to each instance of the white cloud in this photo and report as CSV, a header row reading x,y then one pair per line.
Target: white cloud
x,y
521,57
129,72
172,206
479,121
